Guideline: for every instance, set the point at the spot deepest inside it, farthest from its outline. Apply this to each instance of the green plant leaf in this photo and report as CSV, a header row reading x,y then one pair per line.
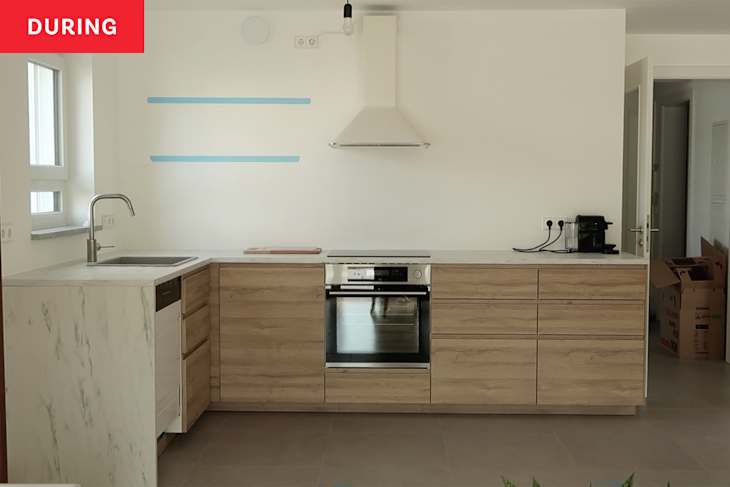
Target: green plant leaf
x,y
535,483
508,483
629,482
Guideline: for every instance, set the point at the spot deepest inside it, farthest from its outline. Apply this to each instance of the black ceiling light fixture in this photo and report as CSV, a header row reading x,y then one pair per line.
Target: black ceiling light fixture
x,y
347,26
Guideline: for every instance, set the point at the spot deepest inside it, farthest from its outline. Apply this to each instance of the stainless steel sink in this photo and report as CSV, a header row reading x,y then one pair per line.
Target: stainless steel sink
x,y
133,261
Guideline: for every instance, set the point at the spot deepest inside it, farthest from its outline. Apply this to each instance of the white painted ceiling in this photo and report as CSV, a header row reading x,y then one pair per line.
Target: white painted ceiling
x,y
644,16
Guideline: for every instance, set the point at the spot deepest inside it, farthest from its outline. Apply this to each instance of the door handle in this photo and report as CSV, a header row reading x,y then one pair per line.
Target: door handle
x,y
653,230
636,230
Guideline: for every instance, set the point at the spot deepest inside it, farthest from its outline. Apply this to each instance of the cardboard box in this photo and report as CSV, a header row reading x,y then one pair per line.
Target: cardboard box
x,y
692,303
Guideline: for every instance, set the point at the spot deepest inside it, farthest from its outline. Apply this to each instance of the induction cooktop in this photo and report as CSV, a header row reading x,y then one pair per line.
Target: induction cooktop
x,y
393,253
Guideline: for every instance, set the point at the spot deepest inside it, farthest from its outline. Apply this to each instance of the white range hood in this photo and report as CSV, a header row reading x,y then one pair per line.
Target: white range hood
x,y
379,123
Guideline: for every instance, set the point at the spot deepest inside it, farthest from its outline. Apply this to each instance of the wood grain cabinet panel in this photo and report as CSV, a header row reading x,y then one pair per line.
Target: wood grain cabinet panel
x,y
272,333
195,291
623,318
483,371
196,329
196,384
597,282
483,282
483,317
600,372
373,386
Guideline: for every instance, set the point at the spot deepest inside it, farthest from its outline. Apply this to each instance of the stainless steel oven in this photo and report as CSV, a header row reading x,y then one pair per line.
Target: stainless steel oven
x,y
378,315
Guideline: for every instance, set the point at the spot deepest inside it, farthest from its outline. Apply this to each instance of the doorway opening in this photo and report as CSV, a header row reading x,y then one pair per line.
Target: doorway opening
x,y
690,189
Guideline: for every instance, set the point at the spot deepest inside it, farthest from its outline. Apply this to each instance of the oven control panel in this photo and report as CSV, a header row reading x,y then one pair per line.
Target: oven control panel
x,y
417,274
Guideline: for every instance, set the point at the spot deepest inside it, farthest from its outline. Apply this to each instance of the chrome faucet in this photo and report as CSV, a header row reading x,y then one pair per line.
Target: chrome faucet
x,y
92,246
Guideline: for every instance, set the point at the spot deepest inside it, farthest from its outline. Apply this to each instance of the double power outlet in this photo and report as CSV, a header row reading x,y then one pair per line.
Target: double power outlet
x,y
555,220
7,232
306,42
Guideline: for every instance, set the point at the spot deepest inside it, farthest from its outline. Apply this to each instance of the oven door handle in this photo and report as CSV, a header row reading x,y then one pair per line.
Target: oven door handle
x,y
377,293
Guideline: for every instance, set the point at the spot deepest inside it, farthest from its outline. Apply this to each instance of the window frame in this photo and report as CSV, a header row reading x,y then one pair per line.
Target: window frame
x,y
51,178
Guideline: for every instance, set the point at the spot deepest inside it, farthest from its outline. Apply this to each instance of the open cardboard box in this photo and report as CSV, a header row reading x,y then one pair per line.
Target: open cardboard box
x,y
692,303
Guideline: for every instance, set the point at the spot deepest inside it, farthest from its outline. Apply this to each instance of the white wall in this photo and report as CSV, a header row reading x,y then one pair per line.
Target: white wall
x,y
710,104
524,111
15,178
679,50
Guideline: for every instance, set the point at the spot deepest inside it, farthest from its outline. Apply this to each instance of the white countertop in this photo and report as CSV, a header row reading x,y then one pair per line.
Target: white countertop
x,y
79,274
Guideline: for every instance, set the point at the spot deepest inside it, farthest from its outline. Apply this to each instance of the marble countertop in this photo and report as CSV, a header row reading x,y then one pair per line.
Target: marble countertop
x,y
79,274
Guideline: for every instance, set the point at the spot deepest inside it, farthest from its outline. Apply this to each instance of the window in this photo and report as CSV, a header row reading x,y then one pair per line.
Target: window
x,y
43,115
49,173
44,202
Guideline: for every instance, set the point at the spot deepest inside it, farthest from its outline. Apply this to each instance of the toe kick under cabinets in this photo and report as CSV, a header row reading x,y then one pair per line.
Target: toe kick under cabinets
x,y
541,338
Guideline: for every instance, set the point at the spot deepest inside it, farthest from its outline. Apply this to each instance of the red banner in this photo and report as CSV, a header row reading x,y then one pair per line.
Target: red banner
x,y
80,26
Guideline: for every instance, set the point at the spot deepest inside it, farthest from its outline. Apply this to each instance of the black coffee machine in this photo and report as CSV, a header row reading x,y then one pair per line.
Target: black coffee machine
x,y
591,234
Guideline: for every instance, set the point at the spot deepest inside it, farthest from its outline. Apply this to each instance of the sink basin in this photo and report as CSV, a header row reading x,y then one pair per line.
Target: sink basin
x,y
133,261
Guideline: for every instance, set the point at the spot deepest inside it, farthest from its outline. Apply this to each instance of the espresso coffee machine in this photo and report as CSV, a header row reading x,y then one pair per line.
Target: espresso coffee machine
x,y
589,235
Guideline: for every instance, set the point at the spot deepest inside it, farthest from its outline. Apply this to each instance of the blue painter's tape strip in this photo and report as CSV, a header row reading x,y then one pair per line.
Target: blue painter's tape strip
x,y
225,159
223,100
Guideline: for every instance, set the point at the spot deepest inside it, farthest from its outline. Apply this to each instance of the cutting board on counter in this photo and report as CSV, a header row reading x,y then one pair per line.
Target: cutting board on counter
x,y
283,250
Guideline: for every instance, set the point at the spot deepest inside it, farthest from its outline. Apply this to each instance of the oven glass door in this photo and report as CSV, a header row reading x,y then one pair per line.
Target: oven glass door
x,y
377,328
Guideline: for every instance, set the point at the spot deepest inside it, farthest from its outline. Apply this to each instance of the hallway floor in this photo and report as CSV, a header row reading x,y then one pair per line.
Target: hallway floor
x,y
682,436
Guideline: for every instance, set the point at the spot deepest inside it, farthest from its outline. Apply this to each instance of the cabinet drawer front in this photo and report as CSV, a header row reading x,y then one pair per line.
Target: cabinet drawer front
x,y
483,317
195,291
484,282
196,384
593,283
196,329
266,283
361,386
483,371
591,318
593,372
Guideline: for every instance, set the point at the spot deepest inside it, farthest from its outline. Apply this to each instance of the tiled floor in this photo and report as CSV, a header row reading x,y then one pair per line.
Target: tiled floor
x,y
683,435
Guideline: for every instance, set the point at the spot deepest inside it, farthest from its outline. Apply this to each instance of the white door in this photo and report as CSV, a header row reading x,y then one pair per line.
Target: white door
x,y
636,196
636,202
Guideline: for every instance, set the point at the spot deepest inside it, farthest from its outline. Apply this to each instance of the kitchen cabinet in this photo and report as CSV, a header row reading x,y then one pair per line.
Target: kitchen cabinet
x,y
460,316
272,333
483,370
484,335
593,282
483,282
196,384
195,346
592,318
377,386
592,372
546,335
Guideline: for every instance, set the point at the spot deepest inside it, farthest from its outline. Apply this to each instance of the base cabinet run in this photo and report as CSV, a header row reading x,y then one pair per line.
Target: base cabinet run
x,y
272,333
532,338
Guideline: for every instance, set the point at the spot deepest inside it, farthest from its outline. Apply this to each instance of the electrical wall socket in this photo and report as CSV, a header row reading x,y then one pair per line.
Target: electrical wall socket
x,y
7,232
306,42
555,219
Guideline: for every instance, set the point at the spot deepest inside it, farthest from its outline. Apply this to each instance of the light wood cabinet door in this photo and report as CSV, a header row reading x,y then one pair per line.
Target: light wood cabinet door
x,y
590,372
594,318
196,385
483,371
272,333
483,282
195,291
196,329
595,282
483,317
377,386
